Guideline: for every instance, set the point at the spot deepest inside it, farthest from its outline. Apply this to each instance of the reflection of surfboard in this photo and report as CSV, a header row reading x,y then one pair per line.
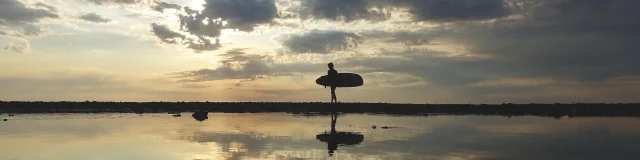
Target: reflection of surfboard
x,y
341,138
344,80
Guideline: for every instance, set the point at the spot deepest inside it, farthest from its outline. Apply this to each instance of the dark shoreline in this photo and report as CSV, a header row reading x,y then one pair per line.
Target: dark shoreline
x,y
313,108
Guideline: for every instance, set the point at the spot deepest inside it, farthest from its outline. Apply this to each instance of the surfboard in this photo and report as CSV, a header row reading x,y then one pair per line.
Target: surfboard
x,y
343,80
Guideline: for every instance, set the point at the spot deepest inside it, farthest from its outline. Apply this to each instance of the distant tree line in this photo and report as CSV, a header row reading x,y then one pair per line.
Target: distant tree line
x,y
315,108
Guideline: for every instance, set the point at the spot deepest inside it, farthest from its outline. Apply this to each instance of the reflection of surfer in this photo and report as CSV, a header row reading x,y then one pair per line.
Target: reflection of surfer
x,y
333,77
335,138
332,145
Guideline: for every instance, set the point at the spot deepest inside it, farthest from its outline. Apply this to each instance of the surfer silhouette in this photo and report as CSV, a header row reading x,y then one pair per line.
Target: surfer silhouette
x,y
335,80
333,77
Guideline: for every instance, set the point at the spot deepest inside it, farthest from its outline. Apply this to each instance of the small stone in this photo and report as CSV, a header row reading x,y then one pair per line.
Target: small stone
x,y
5,119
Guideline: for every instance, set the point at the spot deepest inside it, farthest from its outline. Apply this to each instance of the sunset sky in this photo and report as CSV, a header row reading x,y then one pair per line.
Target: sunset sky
x,y
407,51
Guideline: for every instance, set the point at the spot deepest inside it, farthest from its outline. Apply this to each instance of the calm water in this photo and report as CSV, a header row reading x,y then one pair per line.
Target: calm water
x,y
287,136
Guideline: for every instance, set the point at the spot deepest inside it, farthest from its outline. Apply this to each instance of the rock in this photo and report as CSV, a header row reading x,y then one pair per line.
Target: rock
x,y
374,127
177,115
5,119
386,127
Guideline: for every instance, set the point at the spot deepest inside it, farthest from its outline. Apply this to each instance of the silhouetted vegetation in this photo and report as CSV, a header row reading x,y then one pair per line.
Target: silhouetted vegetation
x,y
548,110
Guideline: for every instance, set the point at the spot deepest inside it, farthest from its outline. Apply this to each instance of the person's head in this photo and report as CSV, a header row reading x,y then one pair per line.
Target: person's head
x,y
330,65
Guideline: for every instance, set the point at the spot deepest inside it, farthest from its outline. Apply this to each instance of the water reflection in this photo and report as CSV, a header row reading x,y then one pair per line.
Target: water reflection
x,y
200,115
335,138
287,136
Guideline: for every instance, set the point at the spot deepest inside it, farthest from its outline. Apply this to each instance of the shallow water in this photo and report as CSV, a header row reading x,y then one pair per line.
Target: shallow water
x,y
287,136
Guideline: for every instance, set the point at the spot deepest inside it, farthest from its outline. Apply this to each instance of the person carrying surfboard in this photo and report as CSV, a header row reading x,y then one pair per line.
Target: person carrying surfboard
x,y
333,76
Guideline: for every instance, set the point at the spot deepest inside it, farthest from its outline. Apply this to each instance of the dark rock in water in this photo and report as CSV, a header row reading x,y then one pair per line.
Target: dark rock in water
x,y
5,119
386,127
177,115
11,115
200,115
374,127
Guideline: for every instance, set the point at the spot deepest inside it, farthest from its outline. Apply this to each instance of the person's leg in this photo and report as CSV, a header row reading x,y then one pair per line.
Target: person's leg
x,y
333,94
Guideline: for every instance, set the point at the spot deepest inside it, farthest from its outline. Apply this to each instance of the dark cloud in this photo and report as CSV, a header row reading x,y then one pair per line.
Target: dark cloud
x,y
207,24
455,10
165,34
319,41
243,15
14,12
341,10
549,17
168,36
161,6
422,10
195,24
203,44
94,18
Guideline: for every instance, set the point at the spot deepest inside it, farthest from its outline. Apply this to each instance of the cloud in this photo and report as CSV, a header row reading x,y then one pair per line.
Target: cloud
x,y
320,41
28,30
514,82
422,10
455,10
161,6
242,66
203,44
168,36
94,18
35,30
115,2
243,15
165,34
22,47
46,6
11,34
340,10
14,12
